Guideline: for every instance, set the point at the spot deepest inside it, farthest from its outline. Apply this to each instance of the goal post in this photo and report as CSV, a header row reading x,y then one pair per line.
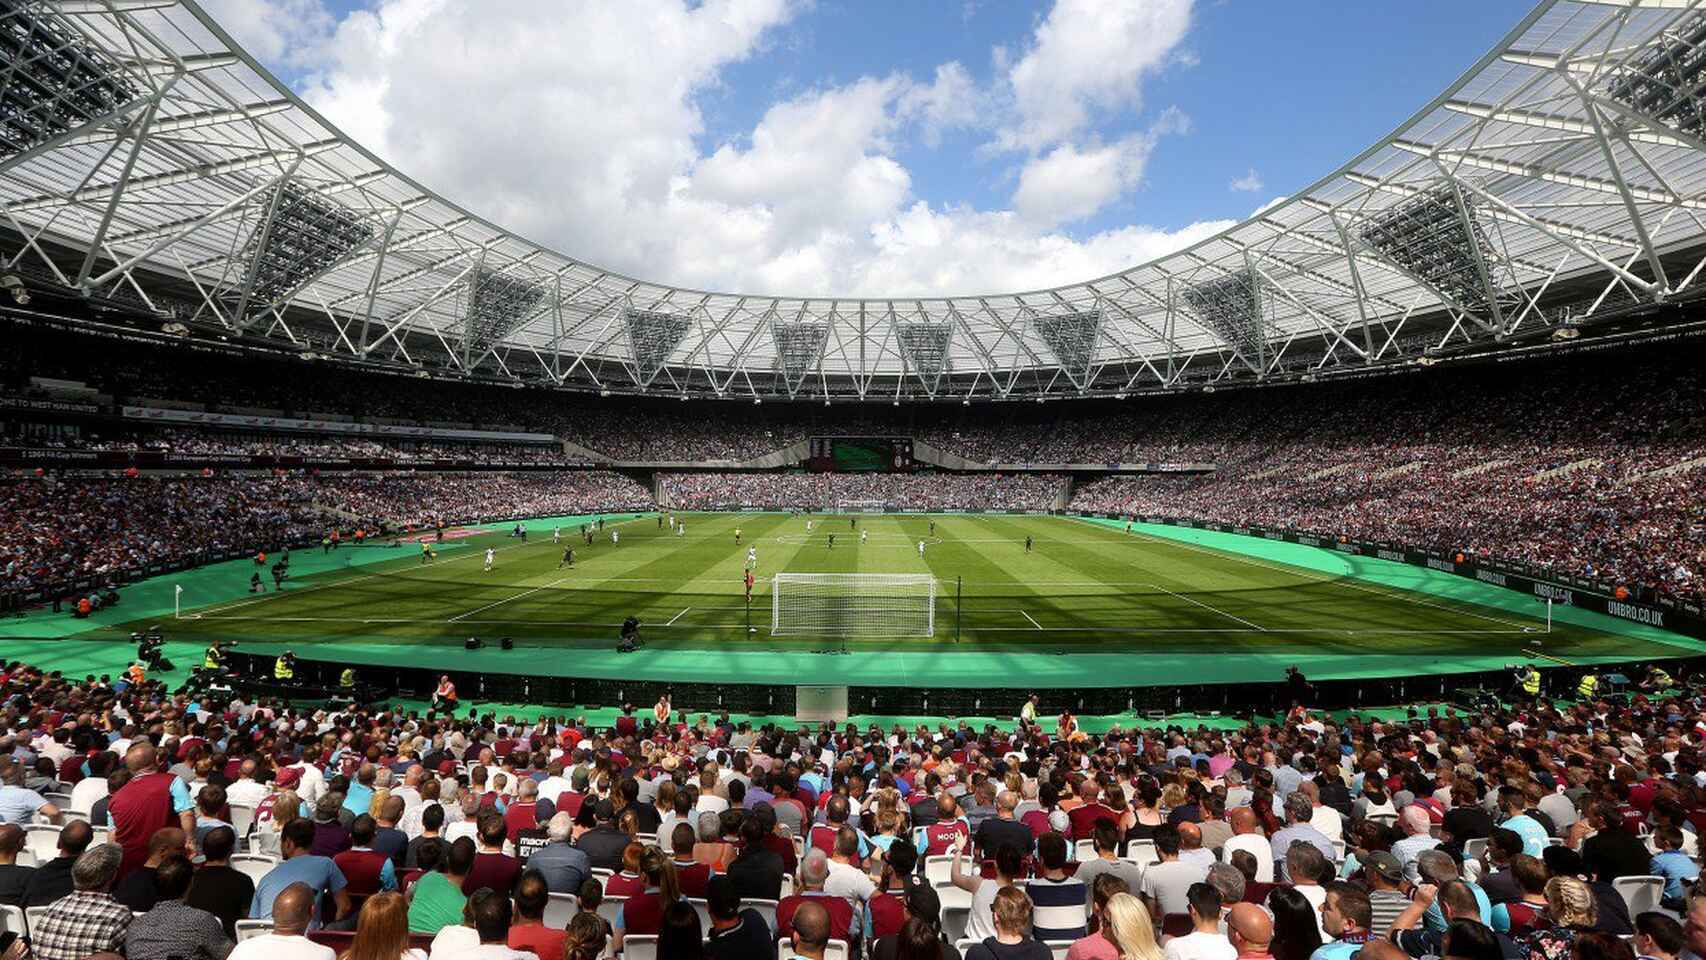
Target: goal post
x,y
852,605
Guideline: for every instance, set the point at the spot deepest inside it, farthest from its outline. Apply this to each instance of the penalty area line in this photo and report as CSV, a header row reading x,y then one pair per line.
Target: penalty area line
x,y
1211,609
678,616
1033,620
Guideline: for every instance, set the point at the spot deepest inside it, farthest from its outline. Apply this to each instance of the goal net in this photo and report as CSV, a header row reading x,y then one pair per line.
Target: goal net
x,y
861,506
853,605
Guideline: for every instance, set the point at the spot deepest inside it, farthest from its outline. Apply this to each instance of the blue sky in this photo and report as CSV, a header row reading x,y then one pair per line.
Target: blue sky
x,y
1286,91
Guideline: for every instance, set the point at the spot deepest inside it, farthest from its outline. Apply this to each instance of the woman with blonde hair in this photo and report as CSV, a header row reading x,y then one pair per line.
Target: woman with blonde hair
x,y
1573,910
275,811
1105,943
1127,924
382,931
376,806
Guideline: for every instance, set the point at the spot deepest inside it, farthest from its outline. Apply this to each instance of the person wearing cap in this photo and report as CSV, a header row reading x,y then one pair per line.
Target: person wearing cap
x,y
603,844
1384,876
736,933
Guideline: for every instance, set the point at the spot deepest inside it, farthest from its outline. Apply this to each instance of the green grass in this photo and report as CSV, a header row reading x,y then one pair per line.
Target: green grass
x,y
1083,587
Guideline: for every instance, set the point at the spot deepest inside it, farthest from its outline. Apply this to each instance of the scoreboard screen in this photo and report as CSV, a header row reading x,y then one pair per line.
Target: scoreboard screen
x,y
860,454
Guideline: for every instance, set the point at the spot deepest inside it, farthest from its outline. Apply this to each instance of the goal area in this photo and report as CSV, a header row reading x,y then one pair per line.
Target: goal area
x,y
861,506
852,605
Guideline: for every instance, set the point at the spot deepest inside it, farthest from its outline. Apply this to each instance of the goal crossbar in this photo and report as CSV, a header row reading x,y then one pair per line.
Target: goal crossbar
x,y
853,605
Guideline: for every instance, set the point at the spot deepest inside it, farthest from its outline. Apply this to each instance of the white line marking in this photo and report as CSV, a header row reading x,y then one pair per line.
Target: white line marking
x,y
499,603
1301,573
1208,608
1033,620
220,608
672,620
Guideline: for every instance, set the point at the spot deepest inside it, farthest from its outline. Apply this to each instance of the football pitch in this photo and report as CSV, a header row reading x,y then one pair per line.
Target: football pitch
x,y
1082,587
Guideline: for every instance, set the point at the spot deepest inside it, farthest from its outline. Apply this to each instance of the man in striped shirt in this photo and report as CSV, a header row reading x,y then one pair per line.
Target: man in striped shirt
x,y
1058,899
1386,898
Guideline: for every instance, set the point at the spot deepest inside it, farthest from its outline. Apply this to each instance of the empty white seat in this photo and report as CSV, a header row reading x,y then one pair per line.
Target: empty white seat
x,y
836,950
640,946
1640,893
560,909
253,865
12,920
611,907
938,869
250,929
42,840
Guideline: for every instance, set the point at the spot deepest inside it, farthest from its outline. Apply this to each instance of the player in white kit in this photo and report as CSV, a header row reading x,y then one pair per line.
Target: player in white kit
x,y
490,556
921,548
864,535
556,534
615,536
751,557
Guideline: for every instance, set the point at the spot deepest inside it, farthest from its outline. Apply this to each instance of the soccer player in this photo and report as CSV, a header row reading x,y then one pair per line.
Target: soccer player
x,y
921,549
748,579
751,557
681,529
852,523
601,523
1027,544
1128,526
556,535
426,553
863,535
808,526
932,528
615,537
832,541
568,558
660,522
491,555
737,536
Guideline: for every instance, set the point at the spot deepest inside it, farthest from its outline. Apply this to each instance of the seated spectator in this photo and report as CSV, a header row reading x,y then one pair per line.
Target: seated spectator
x,y
643,912
172,929
436,900
14,879
809,935
490,914
1166,883
52,880
1659,936
564,865
1250,931
138,890
757,872
1204,942
528,931
587,934
814,872
1348,917
366,871
1675,866
680,935
382,931
219,888
1297,924
89,920
1012,940
291,911
1057,899
735,933
319,874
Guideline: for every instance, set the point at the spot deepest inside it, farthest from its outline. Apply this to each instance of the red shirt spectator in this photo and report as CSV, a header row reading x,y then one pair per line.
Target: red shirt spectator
x,y
840,913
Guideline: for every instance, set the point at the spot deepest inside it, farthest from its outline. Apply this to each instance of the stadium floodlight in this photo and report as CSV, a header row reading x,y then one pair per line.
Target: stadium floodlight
x,y
1234,306
799,343
652,337
308,234
53,80
852,605
497,305
1428,236
1072,338
924,345
1664,82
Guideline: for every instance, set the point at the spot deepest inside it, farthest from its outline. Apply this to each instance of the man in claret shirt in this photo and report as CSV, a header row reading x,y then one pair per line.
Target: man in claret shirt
x,y
149,802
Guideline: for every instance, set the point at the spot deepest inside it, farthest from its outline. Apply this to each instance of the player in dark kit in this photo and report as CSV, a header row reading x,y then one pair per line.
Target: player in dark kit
x,y
832,541
1027,544
568,558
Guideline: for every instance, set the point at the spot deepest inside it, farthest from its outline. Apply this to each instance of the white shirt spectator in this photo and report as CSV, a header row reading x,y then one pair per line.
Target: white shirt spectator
x,y
1198,945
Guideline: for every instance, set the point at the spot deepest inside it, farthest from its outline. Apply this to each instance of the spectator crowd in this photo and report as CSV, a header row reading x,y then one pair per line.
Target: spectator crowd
x,y
895,491
1543,831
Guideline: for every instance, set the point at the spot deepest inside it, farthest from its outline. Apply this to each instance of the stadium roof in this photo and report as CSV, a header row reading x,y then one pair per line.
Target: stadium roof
x,y
1563,175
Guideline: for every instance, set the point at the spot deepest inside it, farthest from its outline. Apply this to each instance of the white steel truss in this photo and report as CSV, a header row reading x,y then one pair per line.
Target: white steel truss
x,y
1570,158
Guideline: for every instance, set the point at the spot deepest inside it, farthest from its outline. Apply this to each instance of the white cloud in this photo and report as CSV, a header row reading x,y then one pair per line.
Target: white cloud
x,y
1069,183
586,134
1248,183
1088,55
